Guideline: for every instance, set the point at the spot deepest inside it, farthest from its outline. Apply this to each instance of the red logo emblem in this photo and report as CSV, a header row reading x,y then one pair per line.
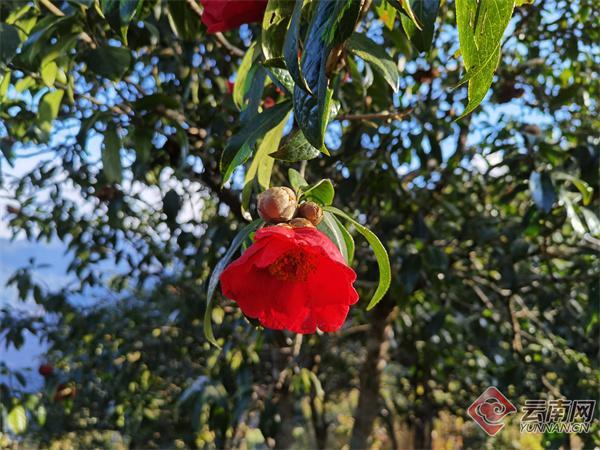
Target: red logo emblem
x,y
490,409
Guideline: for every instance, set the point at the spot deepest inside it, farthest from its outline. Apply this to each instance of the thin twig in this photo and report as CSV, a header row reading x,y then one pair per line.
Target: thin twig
x,y
376,116
303,168
297,345
52,8
196,7
235,51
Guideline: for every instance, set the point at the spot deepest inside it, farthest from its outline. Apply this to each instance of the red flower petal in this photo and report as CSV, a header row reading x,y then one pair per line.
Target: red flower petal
x,y
223,15
293,279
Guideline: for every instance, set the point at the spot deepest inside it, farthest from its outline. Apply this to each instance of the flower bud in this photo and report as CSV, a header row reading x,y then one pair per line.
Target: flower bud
x,y
277,204
300,222
311,211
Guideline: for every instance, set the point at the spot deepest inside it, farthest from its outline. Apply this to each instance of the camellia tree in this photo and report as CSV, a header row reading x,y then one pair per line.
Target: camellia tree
x,y
208,167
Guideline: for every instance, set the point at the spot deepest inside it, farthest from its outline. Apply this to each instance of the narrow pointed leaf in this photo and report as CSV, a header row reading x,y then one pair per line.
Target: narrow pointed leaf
x,y
213,281
274,25
383,261
376,56
322,193
426,13
297,181
240,146
111,155
296,148
481,24
291,47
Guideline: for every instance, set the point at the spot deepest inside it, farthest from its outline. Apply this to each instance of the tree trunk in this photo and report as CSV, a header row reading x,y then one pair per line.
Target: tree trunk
x,y
285,409
370,376
285,362
422,433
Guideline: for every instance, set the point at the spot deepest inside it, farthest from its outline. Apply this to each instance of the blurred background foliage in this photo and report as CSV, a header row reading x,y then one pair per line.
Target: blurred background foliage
x,y
490,222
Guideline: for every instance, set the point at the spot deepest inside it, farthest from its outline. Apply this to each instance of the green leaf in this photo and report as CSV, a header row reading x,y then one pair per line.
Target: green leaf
x,y
4,84
108,6
574,219
62,47
340,236
48,109
348,239
375,55
387,14
592,221
183,21
322,193
332,23
262,165
24,83
253,99
587,192
128,10
426,13
405,7
86,125
41,414
9,42
240,146
481,24
141,141
274,26
108,62
383,261
296,148
244,76
542,190
119,14
297,181
39,37
48,73
153,101
281,78
291,47
111,155
17,419
171,205
213,281
184,143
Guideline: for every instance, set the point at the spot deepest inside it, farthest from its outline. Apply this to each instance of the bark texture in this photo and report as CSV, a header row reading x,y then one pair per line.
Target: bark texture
x,y
370,376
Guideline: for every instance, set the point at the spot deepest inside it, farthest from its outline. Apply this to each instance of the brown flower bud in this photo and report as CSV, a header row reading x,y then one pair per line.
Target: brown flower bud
x,y
277,204
300,222
311,211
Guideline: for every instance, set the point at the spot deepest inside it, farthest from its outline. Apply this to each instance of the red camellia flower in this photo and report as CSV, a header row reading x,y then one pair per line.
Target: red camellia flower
x,y
223,15
46,370
292,279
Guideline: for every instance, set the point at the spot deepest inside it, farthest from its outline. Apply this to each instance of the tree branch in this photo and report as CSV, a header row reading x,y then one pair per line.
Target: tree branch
x,y
394,115
377,345
221,39
209,178
52,8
